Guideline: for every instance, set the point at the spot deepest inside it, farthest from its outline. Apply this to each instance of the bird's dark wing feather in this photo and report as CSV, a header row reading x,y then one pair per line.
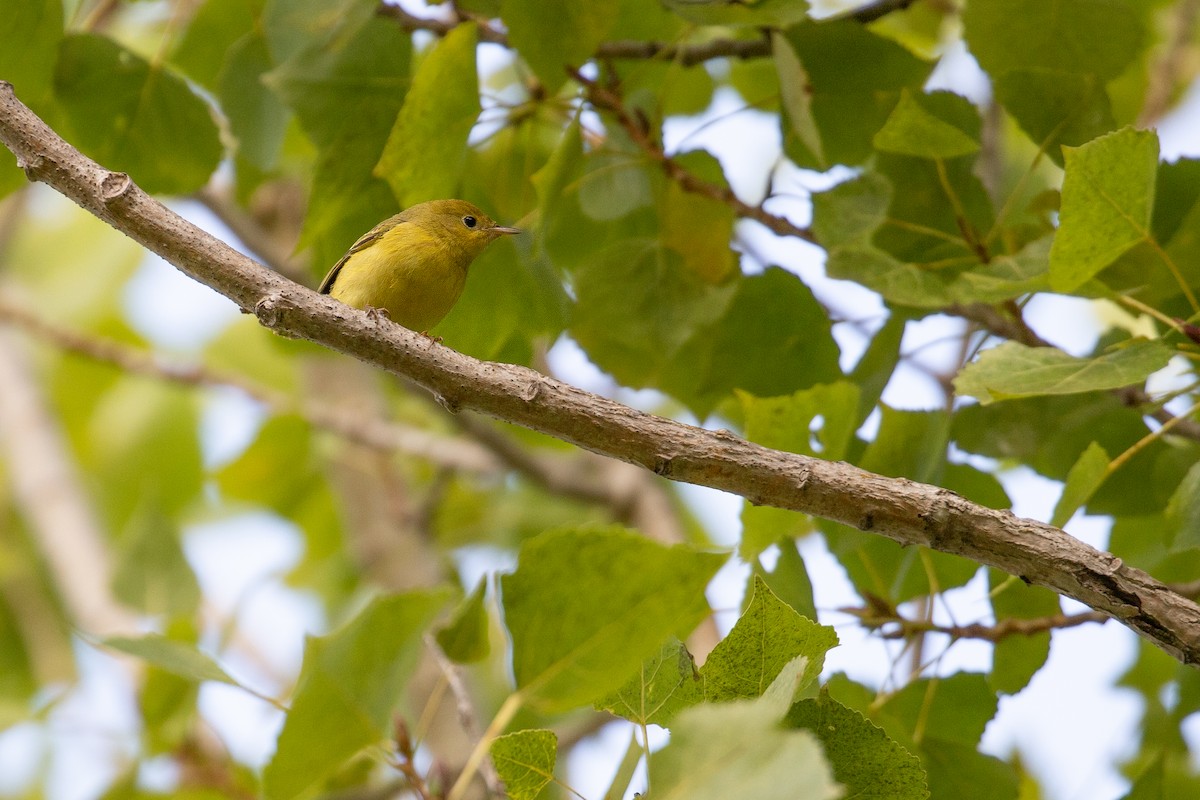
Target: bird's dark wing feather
x,y
364,241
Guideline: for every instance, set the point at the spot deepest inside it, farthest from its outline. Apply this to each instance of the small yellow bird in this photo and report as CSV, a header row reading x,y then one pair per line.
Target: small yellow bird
x,y
414,265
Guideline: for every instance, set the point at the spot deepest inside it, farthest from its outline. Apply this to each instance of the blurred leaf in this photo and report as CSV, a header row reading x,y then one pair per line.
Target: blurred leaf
x,y
697,227
176,657
613,185
790,580
134,116
1015,370
586,607
957,708
210,34
738,749
423,157
874,369
552,38
1107,198
958,770
349,685
152,574
911,130
1083,480
1007,35
768,635
278,468
1016,658
257,117
665,684
31,31
868,764
757,13
853,79
525,762
1183,512
851,211
143,444
1056,107
361,61
464,639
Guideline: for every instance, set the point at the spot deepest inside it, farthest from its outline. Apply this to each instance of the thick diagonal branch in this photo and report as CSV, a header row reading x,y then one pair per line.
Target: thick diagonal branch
x,y
905,511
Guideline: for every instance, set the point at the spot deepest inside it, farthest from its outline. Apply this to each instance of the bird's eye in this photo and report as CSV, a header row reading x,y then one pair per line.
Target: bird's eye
x,y
470,221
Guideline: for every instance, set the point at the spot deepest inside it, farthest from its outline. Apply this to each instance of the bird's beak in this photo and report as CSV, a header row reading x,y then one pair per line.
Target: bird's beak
x,y
499,230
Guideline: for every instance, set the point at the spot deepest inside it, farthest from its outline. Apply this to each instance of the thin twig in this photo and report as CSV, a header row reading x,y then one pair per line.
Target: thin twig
x,y
688,55
602,97
467,715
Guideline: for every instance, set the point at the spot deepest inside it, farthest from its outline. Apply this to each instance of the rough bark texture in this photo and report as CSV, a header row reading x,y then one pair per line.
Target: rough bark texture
x,y
908,512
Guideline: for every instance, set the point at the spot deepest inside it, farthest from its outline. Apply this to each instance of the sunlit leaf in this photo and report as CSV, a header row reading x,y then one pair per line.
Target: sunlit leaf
x,y
665,684
525,762
1015,370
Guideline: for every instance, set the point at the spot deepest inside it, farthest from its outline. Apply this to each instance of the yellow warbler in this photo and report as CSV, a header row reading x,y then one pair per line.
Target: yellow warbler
x,y
414,265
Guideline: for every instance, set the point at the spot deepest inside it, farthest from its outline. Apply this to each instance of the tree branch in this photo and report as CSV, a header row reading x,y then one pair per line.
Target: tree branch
x,y
905,511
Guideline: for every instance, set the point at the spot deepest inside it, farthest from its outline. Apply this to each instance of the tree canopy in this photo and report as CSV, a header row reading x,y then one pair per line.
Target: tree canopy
x,y
500,563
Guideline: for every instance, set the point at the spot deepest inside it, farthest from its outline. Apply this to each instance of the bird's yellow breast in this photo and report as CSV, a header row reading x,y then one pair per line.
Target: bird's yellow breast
x,y
409,272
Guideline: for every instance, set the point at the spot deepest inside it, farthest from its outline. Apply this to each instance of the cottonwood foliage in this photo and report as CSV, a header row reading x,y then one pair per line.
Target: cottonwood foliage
x,y
310,120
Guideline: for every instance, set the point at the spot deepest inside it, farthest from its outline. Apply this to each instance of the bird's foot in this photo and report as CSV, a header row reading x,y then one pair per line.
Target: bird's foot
x,y
431,337
377,314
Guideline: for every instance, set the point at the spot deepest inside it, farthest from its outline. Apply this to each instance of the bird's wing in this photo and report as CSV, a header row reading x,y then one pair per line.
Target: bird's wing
x,y
366,240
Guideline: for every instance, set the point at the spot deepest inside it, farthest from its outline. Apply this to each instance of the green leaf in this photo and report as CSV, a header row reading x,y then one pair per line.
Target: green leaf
x,y
698,227
1183,512
911,130
31,31
852,211
637,305
424,154
1107,198
134,116
790,580
169,655
849,99
139,416
257,117
738,749
586,607
525,762
957,770
756,13
665,684
1056,107
350,683
1016,658
211,32
152,574
768,635
957,708
553,37
1006,35
1083,480
464,639
359,60
774,338
1014,370
868,764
